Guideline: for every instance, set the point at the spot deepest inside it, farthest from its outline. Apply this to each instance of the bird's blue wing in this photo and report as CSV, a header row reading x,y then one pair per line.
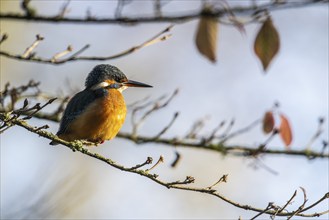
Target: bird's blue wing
x,y
75,107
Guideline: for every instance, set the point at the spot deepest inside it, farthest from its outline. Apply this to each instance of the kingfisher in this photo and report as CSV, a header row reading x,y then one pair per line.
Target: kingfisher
x,y
98,112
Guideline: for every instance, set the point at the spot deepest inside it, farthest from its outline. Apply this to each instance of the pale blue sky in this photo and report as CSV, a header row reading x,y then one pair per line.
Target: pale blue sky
x,y
234,87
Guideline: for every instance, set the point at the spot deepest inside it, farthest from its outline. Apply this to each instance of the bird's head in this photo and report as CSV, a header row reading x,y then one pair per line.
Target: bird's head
x,y
110,77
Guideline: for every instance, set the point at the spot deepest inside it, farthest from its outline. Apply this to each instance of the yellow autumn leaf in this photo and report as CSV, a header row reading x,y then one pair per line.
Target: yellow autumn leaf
x,y
267,43
206,37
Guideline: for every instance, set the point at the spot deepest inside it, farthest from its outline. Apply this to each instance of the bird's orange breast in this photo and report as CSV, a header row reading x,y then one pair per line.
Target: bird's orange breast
x,y
101,120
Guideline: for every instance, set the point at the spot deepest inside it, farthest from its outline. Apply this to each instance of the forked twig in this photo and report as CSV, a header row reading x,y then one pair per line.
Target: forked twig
x,y
149,160
28,51
27,56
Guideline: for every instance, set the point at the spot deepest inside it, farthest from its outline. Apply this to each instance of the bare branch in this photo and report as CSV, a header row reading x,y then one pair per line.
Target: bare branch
x,y
221,12
18,93
77,146
28,57
220,148
235,150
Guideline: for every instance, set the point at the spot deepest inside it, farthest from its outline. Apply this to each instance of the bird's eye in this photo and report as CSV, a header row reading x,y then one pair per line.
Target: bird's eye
x,y
115,86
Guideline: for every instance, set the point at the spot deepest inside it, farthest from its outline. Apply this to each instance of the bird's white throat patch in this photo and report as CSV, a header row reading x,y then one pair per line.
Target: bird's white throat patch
x,y
122,88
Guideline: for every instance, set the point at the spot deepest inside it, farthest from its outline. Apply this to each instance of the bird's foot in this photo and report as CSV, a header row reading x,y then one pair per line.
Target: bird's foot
x,y
99,141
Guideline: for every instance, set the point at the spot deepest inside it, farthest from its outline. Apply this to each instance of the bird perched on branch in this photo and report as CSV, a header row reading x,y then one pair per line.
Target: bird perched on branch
x,y
97,113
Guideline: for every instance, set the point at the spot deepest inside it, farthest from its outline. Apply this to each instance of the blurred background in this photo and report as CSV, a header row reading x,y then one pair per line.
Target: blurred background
x,y
42,181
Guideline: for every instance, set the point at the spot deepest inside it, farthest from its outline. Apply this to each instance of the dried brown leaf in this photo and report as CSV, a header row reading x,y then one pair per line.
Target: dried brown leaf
x,y
267,43
206,37
268,122
285,130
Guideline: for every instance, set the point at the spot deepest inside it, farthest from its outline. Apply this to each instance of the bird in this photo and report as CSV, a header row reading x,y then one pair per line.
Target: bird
x,y
97,113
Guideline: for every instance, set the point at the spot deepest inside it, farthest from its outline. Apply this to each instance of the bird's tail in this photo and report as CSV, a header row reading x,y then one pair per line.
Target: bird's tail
x,y
53,143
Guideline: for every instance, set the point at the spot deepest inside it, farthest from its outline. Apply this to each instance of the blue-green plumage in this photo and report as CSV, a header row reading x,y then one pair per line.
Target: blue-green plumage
x,y
81,100
97,112
104,72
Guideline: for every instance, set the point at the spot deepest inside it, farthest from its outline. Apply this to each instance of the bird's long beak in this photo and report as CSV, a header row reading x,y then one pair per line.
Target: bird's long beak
x,y
131,83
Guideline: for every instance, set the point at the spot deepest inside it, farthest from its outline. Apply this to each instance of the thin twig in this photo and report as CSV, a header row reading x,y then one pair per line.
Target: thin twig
x,y
120,6
149,160
326,196
223,179
177,158
165,129
225,136
28,51
268,207
195,129
64,10
317,133
3,38
27,56
289,201
38,108
79,51
188,180
28,10
156,106
42,127
300,208
161,160
213,133
63,53
240,131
